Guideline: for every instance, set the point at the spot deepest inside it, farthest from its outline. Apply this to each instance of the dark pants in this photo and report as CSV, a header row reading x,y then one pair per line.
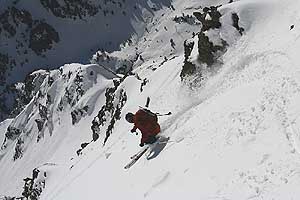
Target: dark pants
x,y
151,139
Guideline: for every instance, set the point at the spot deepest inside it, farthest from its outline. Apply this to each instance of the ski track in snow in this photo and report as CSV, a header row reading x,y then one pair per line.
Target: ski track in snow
x,y
163,179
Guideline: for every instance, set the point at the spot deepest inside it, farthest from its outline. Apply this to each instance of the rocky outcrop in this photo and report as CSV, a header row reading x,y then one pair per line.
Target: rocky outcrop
x,y
24,92
189,19
209,18
208,50
42,37
188,68
70,9
110,112
5,64
235,23
33,186
208,43
11,18
78,114
18,27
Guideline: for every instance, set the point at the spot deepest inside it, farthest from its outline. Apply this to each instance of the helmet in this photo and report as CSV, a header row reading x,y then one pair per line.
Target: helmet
x,y
129,117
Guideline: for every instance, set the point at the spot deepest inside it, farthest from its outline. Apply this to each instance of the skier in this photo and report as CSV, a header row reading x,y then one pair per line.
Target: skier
x,y
146,122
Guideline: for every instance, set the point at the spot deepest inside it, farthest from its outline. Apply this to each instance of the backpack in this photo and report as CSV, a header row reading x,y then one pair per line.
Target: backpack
x,y
150,115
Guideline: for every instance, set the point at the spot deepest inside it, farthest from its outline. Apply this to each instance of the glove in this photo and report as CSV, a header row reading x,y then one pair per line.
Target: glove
x,y
141,144
133,131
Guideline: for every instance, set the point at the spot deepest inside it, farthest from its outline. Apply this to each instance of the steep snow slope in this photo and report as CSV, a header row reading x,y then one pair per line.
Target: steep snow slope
x,y
235,137
33,137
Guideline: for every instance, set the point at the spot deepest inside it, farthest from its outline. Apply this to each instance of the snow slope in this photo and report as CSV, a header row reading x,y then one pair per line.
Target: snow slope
x,y
235,137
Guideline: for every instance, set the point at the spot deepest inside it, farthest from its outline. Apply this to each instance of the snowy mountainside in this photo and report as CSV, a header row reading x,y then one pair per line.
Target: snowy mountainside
x,y
233,135
41,34
65,96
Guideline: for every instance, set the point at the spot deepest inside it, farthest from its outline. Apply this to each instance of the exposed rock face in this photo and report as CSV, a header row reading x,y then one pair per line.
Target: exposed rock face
x,y
33,186
188,68
207,50
26,91
12,133
45,102
209,42
235,23
19,26
11,18
189,19
4,66
210,18
11,21
110,112
77,114
42,38
70,8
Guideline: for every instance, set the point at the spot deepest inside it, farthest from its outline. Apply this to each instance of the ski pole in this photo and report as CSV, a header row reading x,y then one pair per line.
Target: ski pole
x,y
159,114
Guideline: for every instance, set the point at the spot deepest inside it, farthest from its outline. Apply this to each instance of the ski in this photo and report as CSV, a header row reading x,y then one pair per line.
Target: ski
x,y
138,153
136,158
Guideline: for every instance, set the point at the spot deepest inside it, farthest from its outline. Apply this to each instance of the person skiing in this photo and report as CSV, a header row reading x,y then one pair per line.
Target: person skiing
x,y
146,122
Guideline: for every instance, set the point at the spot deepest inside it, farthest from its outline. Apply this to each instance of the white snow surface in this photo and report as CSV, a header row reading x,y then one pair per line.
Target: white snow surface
x,y
236,137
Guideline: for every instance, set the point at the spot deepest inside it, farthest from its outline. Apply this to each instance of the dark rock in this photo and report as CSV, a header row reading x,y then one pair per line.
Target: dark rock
x,y
43,111
109,113
78,114
144,82
235,20
28,90
4,66
208,53
83,145
40,124
12,133
70,9
42,38
207,49
189,19
34,186
213,22
18,149
11,18
188,67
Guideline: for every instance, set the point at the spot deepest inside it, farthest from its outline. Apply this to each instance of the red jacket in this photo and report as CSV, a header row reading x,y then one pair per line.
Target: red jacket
x,y
146,124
